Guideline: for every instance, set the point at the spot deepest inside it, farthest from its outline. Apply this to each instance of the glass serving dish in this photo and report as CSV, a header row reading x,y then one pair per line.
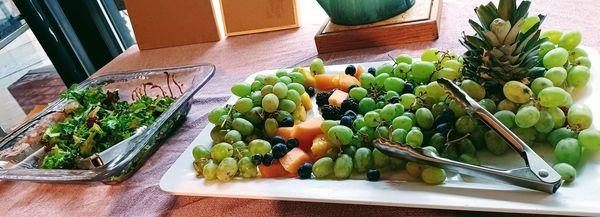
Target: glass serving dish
x,y
128,155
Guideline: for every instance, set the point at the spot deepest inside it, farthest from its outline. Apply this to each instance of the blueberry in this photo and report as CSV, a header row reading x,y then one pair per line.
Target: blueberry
x,y
351,114
277,139
373,175
287,122
305,171
408,88
292,143
442,128
279,150
310,91
267,160
394,100
257,159
447,116
350,70
346,121
372,71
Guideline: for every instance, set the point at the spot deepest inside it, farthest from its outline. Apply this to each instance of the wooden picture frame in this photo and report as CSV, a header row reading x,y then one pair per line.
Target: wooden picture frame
x,y
242,17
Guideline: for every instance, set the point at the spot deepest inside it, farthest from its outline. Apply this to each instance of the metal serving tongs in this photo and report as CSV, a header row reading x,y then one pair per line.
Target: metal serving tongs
x,y
113,153
536,174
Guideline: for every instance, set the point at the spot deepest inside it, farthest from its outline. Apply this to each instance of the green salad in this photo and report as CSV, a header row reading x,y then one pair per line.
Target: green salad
x,y
96,120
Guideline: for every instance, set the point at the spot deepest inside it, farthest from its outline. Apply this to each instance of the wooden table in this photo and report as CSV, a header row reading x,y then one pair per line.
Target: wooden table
x,y
236,58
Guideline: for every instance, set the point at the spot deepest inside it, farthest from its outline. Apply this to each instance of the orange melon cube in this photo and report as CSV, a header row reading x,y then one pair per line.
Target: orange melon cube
x,y
338,97
327,82
274,171
306,131
293,160
285,132
346,81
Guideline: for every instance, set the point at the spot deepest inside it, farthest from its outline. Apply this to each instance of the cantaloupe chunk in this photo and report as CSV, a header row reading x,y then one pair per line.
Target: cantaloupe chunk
x,y
306,131
274,171
337,98
320,146
285,132
310,80
359,71
305,99
346,81
293,160
327,82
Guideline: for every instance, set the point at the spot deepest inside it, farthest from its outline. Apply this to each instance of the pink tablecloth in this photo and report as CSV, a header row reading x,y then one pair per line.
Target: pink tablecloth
x,y
236,58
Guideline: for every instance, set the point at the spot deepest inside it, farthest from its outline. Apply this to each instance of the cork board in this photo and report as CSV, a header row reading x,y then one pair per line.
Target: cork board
x,y
167,23
252,16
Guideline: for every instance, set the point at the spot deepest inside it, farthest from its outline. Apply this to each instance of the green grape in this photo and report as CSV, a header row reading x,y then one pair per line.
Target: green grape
x,y
588,138
241,89
410,115
271,80
453,64
256,98
525,134
390,94
408,100
287,105
579,116
359,122
266,90
363,160
233,136
552,35
424,118
559,134
557,57
437,140
280,90
323,167
456,108
435,90
286,80
433,175
200,152
470,159
557,75
388,113
350,150
217,134
399,136
576,53
488,105
366,134
414,138
553,97
270,102
438,108
294,96
399,110
403,58
421,90
473,89
421,71
259,146
366,104
340,135
527,117
385,68
465,124
507,105
215,114
558,116
260,77
328,124
506,117
209,171
367,80
494,143
540,83
393,84
380,160
247,168
578,76
256,85
243,126
414,169
477,136
240,149
227,169
380,79
566,171
358,93
568,151
380,105
545,47
317,66
447,73
583,61
516,92
298,77
271,126
343,166
402,122
243,105
372,119
570,40
397,164
529,22
281,73
430,55
297,87
546,123
401,69
221,151
466,146
283,115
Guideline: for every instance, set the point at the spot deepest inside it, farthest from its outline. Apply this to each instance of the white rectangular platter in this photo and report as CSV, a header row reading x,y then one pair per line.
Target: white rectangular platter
x,y
581,197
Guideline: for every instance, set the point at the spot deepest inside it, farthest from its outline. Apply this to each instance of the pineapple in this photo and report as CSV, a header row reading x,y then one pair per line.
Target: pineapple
x,y
499,52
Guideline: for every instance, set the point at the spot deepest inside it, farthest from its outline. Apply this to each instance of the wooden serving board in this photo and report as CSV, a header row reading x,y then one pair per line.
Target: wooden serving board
x,y
419,23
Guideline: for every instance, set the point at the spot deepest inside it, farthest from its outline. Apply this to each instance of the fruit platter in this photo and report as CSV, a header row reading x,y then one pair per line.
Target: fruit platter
x,y
310,133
